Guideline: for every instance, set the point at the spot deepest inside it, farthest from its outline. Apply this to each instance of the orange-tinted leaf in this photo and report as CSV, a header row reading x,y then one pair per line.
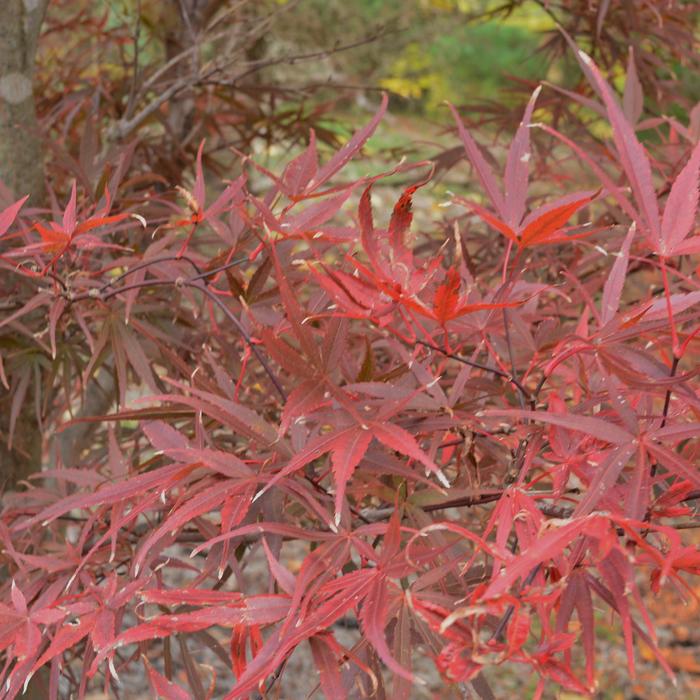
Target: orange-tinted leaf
x,y
550,222
53,240
447,297
96,222
490,219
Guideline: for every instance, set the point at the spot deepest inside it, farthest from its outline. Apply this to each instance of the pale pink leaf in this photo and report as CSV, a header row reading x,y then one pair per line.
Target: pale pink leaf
x,y
632,155
544,548
112,493
602,14
517,167
164,437
255,610
67,637
682,204
314,449
679,302
18,599
191,596
204,502
328,668
316,214
18,396
633,97
373,618
227,412
612,292
299,171
69,215
303,399
675,464
611,187
198,190
481,167
7,216
359,138
232,191
55,312
284,577
402,441
606,476
137,356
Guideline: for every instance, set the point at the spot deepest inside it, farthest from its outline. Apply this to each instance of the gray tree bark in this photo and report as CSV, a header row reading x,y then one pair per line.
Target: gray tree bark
x,y
22,170
21,161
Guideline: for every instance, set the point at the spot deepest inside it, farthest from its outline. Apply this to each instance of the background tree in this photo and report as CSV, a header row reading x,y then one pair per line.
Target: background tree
x,y
20,139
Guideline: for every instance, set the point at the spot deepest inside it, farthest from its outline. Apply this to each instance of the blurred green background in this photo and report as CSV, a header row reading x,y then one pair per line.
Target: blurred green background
x,y
424,52
427,51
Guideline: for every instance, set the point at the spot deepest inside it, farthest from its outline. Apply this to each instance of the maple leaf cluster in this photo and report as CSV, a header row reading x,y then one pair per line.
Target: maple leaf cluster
x,y
463,439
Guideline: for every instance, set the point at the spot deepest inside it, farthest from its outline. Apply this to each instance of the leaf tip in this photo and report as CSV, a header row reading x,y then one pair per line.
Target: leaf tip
x,y
585,57
259,494
442,478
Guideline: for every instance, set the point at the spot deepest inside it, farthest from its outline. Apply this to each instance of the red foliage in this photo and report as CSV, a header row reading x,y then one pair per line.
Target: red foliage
x,y
472,441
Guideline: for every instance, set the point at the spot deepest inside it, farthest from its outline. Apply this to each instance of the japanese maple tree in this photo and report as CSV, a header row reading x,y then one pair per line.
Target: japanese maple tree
x,y
462,439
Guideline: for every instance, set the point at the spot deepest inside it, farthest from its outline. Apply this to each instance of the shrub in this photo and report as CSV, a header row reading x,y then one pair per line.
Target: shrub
x,y
471,435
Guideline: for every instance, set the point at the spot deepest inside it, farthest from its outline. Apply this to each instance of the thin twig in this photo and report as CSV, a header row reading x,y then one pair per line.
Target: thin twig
x,y
148,263
501,627
667,405
667,400
687,526
135,76
122,129
478,365
553,511
511,358
195,282
221,268
254,348
290,60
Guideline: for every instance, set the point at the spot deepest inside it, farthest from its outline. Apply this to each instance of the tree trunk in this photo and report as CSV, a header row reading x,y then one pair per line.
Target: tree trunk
x,y
22,171
21,162
181,35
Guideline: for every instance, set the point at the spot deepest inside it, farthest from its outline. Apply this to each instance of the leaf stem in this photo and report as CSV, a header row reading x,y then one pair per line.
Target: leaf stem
x,y
667,405
501,627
